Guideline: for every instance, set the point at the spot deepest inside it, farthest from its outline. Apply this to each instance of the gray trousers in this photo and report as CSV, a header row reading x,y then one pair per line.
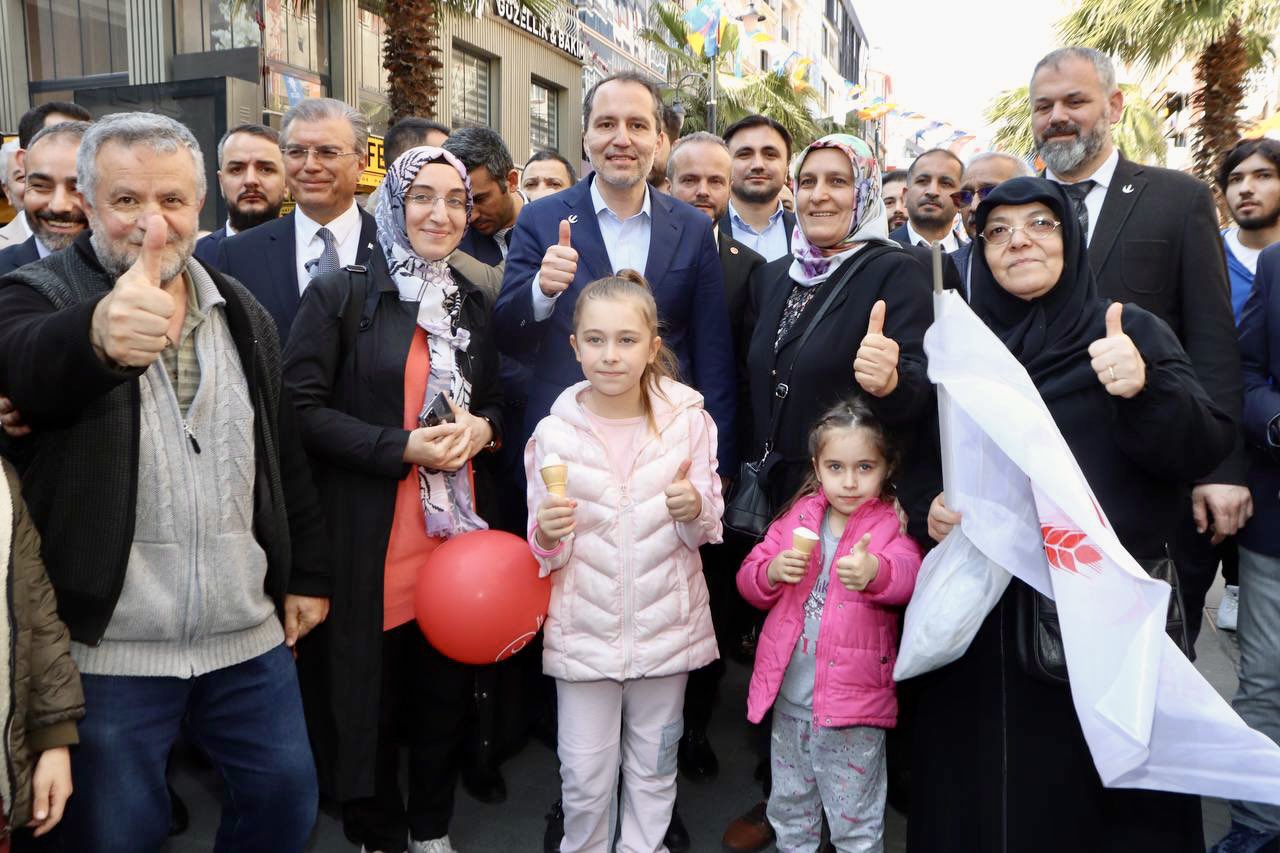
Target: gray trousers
x,y
839,770
1257,698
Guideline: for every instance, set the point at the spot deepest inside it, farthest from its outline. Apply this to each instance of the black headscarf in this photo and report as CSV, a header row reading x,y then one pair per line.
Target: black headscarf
x,y
1050,335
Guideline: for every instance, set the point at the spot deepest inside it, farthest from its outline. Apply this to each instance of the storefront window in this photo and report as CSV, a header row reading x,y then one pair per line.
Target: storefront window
x,y
375,81
285,89
75,38
544,114
470,85
204,25
296,34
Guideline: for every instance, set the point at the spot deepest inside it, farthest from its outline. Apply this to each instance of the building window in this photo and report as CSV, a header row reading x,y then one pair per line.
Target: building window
x,y
469,81
75,38
204,25
544,117
375,80
296,35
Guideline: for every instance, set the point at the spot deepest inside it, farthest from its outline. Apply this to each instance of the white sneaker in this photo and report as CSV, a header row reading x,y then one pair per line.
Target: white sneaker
x,y
1229,608
435,845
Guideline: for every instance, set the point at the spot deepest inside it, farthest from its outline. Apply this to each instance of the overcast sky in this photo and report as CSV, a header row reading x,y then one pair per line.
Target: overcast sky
x,y
949,59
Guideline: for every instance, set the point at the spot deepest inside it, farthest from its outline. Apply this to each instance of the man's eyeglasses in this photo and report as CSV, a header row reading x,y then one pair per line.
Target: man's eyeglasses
x,y
964,198
426,200
1036,229
325,154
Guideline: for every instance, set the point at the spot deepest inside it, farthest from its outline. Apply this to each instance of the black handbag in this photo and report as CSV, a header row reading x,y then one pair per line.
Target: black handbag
x,y
1040,650
749,509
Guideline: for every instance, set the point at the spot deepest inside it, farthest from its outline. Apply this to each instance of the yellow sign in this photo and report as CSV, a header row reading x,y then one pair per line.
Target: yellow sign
x,y
377,168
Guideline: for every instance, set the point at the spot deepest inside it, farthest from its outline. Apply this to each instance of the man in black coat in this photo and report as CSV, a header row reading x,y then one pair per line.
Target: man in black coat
x,y
1153,241
760,149
325,145
251,177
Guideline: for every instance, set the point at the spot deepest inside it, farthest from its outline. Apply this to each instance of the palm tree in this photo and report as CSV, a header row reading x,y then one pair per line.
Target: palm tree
x,y
766,93
411,52
1139,133
1227,39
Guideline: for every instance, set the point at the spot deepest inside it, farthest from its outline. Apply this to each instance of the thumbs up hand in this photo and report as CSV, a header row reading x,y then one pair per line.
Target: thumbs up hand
x,y
1116,360
859,568
131,324
559,264
683,501
875,367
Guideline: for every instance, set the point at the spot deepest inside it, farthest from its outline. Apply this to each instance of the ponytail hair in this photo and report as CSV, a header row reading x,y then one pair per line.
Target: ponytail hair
x,y
850,413
631,285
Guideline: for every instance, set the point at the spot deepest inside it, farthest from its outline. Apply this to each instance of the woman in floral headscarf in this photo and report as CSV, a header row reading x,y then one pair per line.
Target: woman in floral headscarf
x,y
368,356
867,341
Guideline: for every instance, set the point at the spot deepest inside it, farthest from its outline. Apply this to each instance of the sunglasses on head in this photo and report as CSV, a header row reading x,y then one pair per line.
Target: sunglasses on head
x,y
964,198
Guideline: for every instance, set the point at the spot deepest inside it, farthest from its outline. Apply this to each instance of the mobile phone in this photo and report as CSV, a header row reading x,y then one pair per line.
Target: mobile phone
x,y
438,411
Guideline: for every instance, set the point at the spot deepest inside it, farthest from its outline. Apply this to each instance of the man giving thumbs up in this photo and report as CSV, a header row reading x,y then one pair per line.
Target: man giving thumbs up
x,y
135,322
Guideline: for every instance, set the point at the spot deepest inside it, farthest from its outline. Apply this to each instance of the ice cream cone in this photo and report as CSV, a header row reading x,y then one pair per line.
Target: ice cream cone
x,y
804,540
555,474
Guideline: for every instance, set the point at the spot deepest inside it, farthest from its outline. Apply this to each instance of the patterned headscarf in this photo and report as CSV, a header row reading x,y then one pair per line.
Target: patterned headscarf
x,y
870,223
447,499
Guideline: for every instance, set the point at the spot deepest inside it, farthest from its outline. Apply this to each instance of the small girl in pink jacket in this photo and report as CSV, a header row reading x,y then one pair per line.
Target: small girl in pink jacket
x,y
629,616
834,571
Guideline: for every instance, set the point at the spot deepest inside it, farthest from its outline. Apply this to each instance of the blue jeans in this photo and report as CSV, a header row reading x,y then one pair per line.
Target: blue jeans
x,y
247,718
1257,699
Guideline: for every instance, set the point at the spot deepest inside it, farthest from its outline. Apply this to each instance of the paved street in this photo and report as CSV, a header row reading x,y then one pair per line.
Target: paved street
x,y
532,782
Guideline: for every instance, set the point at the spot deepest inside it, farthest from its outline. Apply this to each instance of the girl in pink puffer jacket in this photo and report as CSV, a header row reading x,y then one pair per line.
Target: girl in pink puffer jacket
x,y
834,571
629,615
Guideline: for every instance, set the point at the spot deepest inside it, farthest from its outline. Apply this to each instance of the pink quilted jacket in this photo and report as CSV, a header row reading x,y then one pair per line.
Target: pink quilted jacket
x,y
858,640
628,599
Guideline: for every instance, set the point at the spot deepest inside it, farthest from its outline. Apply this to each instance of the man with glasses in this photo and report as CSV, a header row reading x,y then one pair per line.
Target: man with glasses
x,y
325,147
984,173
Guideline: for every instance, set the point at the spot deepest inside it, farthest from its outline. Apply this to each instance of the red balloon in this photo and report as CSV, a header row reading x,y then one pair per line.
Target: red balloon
x,y
479,598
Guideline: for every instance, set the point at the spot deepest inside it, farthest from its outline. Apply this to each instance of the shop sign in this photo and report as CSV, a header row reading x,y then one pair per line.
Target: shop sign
x,y
513,12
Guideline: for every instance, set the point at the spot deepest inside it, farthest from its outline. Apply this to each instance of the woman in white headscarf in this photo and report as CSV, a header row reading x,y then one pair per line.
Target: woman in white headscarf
x,y
373,358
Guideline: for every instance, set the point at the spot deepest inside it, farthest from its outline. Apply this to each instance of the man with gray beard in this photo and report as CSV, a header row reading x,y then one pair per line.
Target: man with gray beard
x,y
180,528
1153,241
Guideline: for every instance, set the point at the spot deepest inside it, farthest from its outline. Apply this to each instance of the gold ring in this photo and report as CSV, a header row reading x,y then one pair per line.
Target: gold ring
x,y
1112,371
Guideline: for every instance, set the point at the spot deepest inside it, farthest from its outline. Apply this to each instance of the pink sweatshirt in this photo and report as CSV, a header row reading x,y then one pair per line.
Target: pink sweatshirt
x,y
858,640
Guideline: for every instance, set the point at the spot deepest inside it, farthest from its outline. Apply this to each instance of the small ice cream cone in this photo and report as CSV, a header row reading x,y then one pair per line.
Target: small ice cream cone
x,y
555,474
804,540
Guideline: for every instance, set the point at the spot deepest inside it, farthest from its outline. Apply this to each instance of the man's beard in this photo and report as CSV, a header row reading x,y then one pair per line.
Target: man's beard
x,y
1260,221
242,219
754,196
1063,158
54,241
116,260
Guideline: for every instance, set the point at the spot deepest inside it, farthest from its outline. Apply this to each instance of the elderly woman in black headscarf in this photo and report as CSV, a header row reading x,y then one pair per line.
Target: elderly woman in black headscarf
x,y
1000,762
374,359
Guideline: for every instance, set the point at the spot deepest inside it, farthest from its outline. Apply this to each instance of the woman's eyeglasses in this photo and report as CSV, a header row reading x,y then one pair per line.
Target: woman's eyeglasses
x,y
427,200
1036,229
964,198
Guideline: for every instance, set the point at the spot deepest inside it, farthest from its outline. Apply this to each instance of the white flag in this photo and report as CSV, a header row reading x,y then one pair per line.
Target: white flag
x,y
1150,719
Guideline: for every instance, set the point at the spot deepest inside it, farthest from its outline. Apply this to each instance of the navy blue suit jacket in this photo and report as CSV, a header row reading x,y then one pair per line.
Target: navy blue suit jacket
x,y
683,269
264,259
1260,361
482,247
18,255
207,246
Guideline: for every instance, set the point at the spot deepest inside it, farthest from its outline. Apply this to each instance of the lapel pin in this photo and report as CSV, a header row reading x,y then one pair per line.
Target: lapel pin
x,y
733,250
573,218
1127,188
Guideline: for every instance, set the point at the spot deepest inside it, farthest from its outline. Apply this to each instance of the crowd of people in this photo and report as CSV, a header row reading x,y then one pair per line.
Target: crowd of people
x,y
228,456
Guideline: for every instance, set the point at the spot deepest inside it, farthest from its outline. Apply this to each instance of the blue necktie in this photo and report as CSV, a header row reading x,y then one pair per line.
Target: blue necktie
x,y
328,260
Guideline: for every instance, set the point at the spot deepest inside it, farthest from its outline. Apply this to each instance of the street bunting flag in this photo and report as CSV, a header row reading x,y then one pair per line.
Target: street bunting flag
x,y
704,21
1150,719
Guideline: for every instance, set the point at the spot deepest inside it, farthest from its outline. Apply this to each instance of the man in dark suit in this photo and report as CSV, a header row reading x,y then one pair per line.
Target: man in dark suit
x,y
609,222
1255,825
760,149
984,173
1153,240
251,177
495,191
53,206
931,213
325,146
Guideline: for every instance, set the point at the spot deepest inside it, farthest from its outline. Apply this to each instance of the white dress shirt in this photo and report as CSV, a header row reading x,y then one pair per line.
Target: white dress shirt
x,y
1093,201
346,233
950,243
231,232
625,240
41,250
771,243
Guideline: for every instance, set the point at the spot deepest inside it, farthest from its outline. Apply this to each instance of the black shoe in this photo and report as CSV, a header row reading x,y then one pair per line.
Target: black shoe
x,y
677,837
179,817
555,829
485,784
695,758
